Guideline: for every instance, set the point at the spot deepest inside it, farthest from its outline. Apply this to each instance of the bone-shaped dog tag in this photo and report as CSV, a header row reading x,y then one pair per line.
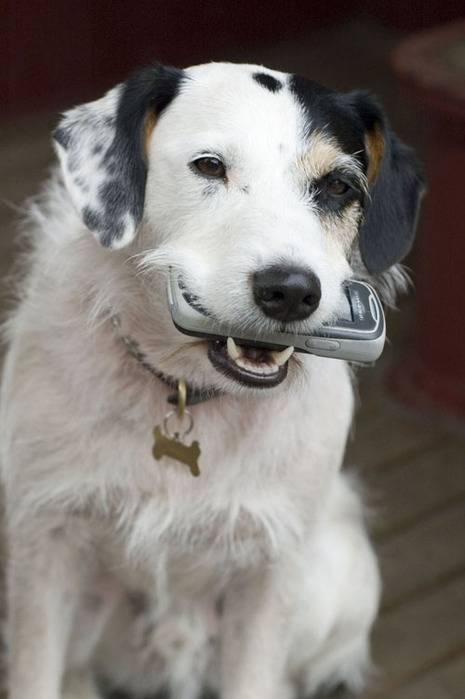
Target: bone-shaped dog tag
x,y
175,449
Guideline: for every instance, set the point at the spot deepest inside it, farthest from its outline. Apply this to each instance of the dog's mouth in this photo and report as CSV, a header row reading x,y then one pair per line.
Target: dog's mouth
x,y
251,366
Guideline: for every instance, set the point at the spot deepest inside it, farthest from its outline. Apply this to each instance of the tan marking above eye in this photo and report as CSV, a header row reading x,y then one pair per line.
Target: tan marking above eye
x,y
321,156
324,155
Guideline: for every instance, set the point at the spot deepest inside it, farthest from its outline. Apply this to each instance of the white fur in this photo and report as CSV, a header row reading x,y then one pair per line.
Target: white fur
x,y
118,563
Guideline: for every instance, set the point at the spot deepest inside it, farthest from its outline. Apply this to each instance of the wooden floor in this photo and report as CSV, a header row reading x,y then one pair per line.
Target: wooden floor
x,y
415,476
413,465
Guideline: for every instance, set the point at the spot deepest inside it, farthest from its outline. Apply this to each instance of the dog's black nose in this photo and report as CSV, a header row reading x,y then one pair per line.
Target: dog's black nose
x,y
286,293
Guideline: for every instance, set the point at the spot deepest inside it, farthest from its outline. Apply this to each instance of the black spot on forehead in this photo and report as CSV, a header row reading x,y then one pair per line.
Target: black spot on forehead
x,y
331,113
268,81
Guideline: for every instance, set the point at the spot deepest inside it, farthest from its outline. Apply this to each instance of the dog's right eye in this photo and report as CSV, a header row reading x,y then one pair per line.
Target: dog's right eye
x,y
210,167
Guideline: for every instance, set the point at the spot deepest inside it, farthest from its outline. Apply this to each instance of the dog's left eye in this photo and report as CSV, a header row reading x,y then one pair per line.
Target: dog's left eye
x,y
210,167
334,191
336,187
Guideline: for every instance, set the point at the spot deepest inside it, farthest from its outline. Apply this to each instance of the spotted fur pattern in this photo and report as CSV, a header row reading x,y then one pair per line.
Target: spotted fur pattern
x,y
100,146
256,579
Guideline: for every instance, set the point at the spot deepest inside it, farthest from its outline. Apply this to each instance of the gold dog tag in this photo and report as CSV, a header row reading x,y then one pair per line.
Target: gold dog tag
x,y
170,443
175,449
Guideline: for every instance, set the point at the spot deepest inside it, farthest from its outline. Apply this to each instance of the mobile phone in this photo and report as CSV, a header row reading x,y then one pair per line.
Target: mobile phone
x,y
358,333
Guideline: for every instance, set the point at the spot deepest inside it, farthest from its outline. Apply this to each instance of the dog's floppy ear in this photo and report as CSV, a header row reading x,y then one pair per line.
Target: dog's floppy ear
x,y
102,149
396,184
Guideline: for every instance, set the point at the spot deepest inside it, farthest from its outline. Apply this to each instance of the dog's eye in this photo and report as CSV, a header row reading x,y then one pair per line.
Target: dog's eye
x,y
336,187
335,191
210,167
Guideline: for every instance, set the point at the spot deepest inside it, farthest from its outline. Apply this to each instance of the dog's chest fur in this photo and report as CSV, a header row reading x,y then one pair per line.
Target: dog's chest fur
x,y
247,505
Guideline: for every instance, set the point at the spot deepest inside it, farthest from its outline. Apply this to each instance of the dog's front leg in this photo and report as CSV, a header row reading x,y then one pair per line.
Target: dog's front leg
x,y
43,587
253,645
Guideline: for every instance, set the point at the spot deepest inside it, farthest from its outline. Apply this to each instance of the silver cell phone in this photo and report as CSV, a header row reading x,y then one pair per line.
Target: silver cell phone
x,y
357,335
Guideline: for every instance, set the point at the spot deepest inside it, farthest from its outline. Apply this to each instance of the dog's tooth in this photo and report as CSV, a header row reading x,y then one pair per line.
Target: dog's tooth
x,y
281,358
258,369
233,349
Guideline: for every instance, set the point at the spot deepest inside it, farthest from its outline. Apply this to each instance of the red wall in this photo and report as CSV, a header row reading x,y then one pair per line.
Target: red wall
x,y
54,52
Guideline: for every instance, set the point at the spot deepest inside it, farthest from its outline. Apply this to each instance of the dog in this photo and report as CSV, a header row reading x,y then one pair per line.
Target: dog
x,y
256,578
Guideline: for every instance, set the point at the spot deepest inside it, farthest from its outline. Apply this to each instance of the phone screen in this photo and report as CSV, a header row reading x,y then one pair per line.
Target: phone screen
x,y
345,312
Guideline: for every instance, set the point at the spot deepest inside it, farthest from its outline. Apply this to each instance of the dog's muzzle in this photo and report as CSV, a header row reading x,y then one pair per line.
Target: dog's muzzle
x,y
283,293
251,366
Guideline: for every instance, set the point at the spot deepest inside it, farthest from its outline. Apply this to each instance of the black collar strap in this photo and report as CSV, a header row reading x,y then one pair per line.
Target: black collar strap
x,y
194,395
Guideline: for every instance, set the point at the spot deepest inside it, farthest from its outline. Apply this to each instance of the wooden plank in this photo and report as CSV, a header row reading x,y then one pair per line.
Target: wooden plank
x,y
426,554
383,437
444,682
415,487
412,639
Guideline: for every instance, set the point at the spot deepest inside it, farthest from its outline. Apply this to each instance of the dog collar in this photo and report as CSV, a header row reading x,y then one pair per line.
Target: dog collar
x,y
194,395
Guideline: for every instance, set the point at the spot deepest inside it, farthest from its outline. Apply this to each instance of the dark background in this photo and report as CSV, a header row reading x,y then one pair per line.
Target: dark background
x,y
408,443
54,52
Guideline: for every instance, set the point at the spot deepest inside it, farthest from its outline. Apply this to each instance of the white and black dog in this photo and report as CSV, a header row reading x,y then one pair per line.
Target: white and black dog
x,y
256,579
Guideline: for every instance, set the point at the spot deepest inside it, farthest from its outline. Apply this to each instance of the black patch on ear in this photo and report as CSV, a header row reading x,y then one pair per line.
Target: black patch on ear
x,y
152,88
268,81
391,213
97,222
63,137
105,151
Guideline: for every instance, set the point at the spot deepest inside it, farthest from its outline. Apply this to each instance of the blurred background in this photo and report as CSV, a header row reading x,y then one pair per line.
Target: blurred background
x,y
408,442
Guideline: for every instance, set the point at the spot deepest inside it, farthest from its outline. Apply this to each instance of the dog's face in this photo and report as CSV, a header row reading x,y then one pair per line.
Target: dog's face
x,y
256,185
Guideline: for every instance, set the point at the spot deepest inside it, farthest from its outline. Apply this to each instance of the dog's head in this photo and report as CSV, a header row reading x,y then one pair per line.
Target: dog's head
x,y
261,187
